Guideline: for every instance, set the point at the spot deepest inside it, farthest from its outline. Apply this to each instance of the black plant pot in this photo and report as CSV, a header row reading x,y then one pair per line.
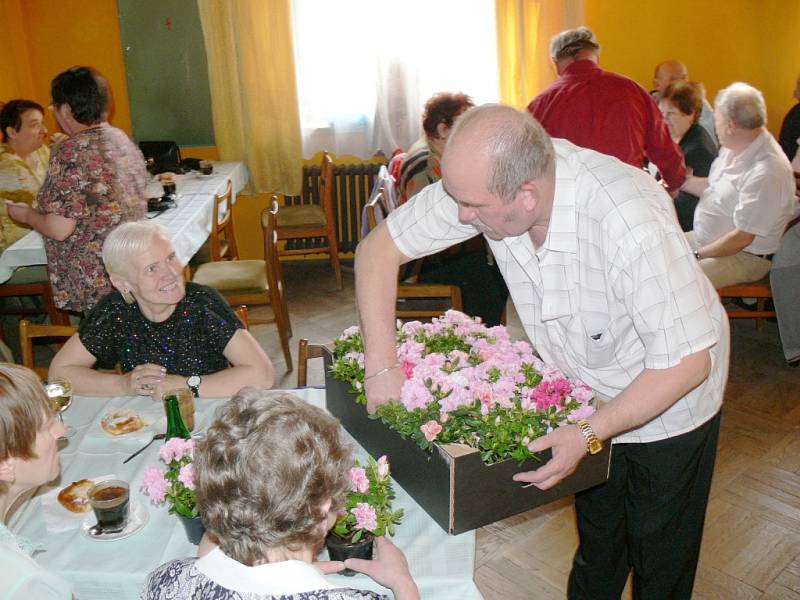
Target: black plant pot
x,y
341,549
194,528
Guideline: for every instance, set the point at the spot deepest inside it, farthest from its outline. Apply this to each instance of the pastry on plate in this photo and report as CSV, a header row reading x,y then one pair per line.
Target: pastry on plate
x,y
121,422
75,497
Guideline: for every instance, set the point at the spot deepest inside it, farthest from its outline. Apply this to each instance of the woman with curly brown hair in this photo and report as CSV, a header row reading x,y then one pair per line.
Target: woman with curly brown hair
x,y
272,474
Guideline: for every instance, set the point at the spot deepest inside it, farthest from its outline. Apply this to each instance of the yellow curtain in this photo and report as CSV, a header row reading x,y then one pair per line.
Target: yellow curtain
x,y
251,72
524,29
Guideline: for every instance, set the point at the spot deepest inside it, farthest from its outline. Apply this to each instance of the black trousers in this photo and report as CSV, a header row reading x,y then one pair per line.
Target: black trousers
x,y
647,517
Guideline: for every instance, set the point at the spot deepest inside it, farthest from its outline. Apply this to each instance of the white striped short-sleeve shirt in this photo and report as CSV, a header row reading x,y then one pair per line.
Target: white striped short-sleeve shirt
x,y
614,288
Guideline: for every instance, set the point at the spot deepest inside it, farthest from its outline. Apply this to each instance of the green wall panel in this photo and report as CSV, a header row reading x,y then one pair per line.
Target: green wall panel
x,y
167,71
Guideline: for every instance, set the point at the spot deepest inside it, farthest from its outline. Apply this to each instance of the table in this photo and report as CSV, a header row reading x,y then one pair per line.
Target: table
x,y
441,564
189,224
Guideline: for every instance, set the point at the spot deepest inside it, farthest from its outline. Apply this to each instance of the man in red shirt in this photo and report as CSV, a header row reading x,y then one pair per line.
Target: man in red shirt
x,y
604,111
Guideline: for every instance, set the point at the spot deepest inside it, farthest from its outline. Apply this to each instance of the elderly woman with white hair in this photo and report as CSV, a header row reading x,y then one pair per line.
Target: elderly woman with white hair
x,y
272,474
748,197
162,332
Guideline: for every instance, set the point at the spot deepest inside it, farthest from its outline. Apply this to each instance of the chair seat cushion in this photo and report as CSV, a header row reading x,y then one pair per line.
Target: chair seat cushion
x,y
301,215
26,275
233,277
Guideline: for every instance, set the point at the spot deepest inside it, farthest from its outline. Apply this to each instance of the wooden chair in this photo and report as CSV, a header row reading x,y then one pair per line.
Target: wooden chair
x,y
255,282
313,221
30,331
415,300
305,351
241,312
221,243
760,290
33,281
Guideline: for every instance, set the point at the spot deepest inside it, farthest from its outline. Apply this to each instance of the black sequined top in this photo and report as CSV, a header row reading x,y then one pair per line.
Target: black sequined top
x,y
190,342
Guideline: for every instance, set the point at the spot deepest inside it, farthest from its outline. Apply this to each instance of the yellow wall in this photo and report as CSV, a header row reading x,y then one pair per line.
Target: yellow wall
x,y
49,36
721,41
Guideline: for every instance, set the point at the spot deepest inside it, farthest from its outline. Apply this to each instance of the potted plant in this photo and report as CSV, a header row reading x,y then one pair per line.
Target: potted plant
x,y
469,384
176,485
367,513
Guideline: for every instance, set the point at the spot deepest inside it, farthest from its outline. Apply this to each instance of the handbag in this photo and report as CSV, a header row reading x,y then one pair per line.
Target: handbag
x,y
166,156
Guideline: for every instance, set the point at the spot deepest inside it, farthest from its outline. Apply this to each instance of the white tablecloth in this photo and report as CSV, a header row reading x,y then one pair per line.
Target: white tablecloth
x,y
189,223
441,564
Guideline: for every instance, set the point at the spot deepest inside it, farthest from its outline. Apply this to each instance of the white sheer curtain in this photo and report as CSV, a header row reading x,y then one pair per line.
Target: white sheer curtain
x,y
366,67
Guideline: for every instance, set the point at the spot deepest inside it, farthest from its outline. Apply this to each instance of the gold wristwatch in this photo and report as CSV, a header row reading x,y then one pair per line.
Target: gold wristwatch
x,y
593,444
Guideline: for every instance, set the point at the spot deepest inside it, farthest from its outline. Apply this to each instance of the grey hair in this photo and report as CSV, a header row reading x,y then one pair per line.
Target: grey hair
x,y
517,146
743,104
128,240
266,469
571,42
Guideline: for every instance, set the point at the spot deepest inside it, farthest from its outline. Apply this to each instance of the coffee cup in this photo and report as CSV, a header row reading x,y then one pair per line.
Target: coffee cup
x,y
168,183
206,167
185,404
110,502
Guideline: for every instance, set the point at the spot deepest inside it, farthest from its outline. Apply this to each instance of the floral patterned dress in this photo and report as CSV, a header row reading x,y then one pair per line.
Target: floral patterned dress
x,y
96,177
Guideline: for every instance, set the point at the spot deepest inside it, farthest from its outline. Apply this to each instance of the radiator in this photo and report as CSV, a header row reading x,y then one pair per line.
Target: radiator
x,y
352,184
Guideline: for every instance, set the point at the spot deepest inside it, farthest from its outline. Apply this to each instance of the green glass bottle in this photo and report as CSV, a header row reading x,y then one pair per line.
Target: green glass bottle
x,y
175,425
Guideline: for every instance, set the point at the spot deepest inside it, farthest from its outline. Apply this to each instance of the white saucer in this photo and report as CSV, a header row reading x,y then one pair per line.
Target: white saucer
x,y
138,516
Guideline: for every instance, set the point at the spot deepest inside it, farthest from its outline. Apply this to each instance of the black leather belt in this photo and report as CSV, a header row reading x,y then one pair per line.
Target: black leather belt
x,y
766,256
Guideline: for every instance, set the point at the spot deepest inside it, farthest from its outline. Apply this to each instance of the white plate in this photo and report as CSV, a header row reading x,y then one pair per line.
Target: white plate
x,y
138,516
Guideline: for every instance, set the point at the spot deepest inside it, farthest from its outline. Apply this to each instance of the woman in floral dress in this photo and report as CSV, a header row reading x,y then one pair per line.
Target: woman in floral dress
x,y
95,181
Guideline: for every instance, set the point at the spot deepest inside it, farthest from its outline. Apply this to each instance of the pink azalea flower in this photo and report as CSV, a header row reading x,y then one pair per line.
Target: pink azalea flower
x,y
582,393
186,476
431,429
383,467
408,369
414,394
581,413
350,332
366,518
358,480
154,484
175,449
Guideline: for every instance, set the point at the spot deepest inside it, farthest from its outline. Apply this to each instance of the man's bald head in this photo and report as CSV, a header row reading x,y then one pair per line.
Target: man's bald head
x,y
510,143
667,72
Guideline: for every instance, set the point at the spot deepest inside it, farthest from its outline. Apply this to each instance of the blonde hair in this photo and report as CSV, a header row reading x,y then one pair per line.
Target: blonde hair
x,y
128,240
24,409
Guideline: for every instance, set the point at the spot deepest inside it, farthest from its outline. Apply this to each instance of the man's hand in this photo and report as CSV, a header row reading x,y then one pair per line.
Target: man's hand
x,y
569,448
384,387
19,211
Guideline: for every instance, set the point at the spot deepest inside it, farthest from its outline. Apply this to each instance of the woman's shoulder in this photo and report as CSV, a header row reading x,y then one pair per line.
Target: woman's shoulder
x,y
197,293
23,573
176,580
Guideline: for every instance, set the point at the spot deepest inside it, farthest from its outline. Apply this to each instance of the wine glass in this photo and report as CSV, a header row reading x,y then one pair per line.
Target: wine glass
x,y
59,393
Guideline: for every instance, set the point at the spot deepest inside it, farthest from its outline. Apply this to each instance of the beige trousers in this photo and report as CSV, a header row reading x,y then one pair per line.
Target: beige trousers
x,y
730,270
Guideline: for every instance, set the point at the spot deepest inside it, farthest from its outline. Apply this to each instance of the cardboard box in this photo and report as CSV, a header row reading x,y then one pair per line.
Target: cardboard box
x,y
452,483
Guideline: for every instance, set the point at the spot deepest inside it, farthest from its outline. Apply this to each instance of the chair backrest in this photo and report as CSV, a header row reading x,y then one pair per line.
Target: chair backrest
x,y
277,291
306,351
223,236
326,186
29,331
377,208
241,312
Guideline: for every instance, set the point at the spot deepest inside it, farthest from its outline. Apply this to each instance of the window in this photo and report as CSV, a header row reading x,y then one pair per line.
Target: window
x,y
366,67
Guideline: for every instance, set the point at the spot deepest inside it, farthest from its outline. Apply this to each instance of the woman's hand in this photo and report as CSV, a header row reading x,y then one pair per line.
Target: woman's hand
x,y
389,568
144,379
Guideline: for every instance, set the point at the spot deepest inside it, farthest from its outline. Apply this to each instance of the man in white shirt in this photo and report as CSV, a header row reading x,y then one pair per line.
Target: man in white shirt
x,y
607,289
748,197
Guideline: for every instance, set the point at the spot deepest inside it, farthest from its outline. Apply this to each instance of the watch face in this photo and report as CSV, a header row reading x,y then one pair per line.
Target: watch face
x,y
193,381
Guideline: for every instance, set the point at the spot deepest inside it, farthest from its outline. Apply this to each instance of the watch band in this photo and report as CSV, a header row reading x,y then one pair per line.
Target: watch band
x,y
193,383
593,443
